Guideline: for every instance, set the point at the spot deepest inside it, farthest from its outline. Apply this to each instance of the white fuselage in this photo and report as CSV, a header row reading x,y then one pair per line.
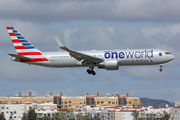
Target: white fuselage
x,y
124,57
105,59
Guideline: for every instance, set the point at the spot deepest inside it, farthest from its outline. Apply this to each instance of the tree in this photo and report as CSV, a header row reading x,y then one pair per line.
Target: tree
x,y
24,116
57,116
48,117
2,116
31,114
135,114
85,118
166,116
70,116
10,117
63,115
79,116
96,118
151,116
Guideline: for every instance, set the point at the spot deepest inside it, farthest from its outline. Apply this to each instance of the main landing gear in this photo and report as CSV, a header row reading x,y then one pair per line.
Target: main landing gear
x,y
91,71
161,66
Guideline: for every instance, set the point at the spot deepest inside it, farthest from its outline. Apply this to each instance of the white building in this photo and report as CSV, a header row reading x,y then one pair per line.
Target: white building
x,y
175,112
177,103
16,110
45,112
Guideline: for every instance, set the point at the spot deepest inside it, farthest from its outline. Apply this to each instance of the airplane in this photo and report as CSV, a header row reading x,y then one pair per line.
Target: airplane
x,y
104,59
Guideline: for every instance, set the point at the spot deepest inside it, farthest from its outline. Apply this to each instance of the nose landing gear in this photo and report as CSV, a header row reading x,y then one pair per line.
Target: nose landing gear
x,y
161,66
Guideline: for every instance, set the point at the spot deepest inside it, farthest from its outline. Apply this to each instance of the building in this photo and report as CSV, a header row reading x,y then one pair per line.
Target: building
x,y
26,98
122,113
177,103
98,100
175,113
17,110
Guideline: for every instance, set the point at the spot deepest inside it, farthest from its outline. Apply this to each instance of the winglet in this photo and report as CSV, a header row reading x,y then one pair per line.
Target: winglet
x,y
60,44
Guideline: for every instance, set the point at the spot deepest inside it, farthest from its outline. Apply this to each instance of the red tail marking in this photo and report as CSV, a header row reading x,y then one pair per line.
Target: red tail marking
x,y
35,60
16,41
19,47
12,34
30,53
8,28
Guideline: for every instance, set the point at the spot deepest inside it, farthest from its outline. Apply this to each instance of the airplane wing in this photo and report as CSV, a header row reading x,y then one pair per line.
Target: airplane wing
x,y
19,56
77,55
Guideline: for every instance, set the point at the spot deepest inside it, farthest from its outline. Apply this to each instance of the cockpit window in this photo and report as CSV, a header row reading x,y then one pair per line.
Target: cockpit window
x,y
167,53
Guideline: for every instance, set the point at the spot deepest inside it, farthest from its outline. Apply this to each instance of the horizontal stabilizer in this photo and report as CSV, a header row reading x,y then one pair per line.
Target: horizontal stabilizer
x,y
19,56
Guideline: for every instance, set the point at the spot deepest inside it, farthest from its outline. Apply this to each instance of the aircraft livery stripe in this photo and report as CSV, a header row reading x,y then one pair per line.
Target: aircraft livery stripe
x,y
8,28
17,44
29,53
34,56
19,47
12,34
27,50
16,41
13,37
10,31
35,60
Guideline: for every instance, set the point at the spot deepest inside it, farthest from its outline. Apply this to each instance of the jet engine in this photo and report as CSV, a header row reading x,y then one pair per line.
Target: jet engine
x,y
109,65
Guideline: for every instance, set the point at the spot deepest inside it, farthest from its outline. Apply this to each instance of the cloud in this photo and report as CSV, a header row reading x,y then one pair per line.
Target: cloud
x,y
103,37
164,37
115,10
40,38
96,37
14,71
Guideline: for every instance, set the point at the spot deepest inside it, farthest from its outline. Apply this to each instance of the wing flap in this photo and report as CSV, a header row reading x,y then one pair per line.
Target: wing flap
x,y
19,56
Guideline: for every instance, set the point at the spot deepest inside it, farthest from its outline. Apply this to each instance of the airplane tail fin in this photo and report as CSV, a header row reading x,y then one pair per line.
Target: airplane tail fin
x,y
23,46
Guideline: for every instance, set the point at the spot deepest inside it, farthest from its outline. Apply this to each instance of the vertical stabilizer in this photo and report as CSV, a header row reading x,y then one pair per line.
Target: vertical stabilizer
x,y
24,47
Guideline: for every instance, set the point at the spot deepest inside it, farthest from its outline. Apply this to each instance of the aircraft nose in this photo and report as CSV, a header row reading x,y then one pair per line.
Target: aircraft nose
x,y
171,57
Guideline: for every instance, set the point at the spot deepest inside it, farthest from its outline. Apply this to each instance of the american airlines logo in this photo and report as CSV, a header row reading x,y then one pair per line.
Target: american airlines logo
x,y
136,54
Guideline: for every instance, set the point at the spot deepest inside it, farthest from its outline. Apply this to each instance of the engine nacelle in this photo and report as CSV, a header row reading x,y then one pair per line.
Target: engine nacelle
x,y
109,65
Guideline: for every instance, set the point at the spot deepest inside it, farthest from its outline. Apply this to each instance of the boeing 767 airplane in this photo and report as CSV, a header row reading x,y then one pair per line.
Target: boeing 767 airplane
x,y
105,59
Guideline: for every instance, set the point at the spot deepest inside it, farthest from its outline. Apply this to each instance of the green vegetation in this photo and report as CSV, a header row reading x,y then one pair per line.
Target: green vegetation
x,y
166,116
135,114
150,116
24,117
31,114
2,116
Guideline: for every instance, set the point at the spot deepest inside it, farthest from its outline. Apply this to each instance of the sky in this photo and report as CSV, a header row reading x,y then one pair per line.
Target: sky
x,y
86,25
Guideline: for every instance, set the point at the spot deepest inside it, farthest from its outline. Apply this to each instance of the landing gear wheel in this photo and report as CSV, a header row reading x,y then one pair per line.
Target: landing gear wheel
x,y
93,73
89,71
161,66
